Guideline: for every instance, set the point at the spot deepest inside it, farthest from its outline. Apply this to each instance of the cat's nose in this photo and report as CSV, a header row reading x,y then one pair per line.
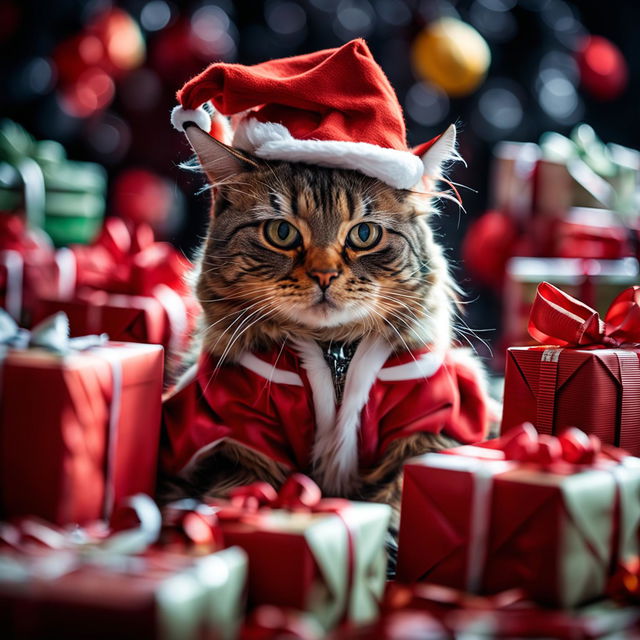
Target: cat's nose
x,y
324,277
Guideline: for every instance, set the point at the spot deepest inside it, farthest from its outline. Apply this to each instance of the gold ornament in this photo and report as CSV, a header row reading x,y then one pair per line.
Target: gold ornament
x,y
452,55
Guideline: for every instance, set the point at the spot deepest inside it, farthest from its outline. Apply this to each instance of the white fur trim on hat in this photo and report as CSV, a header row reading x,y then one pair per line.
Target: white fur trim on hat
x,y
199,116
272,141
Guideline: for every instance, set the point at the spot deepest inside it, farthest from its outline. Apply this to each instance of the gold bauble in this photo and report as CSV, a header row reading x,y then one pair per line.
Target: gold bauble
x,y
451,55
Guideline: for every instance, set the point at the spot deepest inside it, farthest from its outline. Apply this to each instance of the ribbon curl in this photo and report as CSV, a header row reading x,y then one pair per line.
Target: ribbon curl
x,y
559,319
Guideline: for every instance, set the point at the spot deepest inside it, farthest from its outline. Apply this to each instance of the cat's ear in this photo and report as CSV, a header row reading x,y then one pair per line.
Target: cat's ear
x,y
440,153
218,160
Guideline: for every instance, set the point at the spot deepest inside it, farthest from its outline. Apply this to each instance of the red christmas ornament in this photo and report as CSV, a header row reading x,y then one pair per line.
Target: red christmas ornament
x,y
108,47
488,245
143,197
603,69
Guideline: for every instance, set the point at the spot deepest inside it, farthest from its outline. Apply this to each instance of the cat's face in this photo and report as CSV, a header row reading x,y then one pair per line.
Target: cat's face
x,y
316,249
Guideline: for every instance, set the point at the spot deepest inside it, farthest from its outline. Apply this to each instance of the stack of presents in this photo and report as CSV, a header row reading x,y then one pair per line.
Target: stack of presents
x,y
564,211
535,533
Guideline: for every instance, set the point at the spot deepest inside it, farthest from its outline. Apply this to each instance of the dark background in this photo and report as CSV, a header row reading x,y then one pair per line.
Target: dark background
x,y
133,129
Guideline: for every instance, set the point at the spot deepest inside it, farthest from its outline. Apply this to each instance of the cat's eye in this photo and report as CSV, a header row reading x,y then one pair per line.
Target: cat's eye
x,y
364,236
282,234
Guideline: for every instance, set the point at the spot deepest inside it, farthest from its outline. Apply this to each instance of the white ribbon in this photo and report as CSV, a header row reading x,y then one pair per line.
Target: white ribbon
x,y
112,429
483,472
14,264
176,311
67,272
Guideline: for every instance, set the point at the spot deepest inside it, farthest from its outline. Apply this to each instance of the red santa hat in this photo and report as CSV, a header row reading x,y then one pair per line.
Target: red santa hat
x,y
332,108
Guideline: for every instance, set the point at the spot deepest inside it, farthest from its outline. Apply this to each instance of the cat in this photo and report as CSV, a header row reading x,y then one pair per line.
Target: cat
x,y
315,271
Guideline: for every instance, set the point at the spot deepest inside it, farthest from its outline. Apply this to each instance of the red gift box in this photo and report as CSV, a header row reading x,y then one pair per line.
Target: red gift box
x,y
130,287
590,233
587,374
29,267
325,557
79,430
116,586
165,319
549,516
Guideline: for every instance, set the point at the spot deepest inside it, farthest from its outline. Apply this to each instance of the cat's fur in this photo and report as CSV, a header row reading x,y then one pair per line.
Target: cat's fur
x,y
254,295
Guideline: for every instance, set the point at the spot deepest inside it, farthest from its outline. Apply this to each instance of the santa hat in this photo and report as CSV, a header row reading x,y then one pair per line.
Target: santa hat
x,y
333,108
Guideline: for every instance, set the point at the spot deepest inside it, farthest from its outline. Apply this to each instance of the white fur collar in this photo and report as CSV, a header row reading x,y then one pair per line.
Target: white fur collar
x,y
335,450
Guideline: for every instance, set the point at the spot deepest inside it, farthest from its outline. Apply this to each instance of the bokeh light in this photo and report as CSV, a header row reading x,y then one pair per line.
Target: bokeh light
x,y
354,18
285,18
212,33
155,15
426,104
500,110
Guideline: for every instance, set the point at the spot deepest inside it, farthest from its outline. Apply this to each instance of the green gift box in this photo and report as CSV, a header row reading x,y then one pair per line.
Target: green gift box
x,y
65,198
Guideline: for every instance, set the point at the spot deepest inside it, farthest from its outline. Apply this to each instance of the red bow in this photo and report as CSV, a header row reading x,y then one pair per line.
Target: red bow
x,y
558,318
129,261
298,493
525,444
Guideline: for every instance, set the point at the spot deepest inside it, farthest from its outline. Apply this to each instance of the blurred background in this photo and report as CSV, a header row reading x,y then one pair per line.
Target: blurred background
x,y
98,78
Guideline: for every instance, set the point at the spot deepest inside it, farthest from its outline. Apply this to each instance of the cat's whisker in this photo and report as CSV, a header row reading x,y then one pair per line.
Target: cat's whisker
x,y
234,339
243,313
406,346
418,301
411,328
244,294
238,332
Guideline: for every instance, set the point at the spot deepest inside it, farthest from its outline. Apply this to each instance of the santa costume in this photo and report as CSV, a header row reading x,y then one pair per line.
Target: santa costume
x,y
333,108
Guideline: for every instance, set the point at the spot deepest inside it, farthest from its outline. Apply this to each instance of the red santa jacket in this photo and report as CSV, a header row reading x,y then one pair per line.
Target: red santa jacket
x,y
282,405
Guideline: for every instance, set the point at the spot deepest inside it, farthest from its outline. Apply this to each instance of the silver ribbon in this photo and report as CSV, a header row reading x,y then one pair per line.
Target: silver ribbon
x,y
51,334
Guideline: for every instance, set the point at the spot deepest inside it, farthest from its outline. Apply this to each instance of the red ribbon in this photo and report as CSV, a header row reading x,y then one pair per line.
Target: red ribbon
x,y
572,446
298,493
127,260
559,319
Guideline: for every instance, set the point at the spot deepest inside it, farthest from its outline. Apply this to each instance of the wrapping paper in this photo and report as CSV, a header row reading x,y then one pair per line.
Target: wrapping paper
x,y
587,374
323,557
118,584
78,430
484,521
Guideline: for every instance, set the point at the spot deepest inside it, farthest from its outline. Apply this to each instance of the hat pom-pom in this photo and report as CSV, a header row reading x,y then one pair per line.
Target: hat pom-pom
x,y
199,116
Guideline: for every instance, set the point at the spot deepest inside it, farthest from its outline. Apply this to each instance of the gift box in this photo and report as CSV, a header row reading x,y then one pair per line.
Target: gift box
x,y
596,621
586,374
325,557
597,282
118,586
66,199
552,517
130,287
29,267
586,233
79,427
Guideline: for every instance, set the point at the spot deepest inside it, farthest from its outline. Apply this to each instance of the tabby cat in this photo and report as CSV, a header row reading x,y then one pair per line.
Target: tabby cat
x,y
300,255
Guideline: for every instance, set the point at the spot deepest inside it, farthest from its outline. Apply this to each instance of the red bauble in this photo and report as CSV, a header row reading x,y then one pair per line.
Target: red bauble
x,y
142,196
489,243
603,69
